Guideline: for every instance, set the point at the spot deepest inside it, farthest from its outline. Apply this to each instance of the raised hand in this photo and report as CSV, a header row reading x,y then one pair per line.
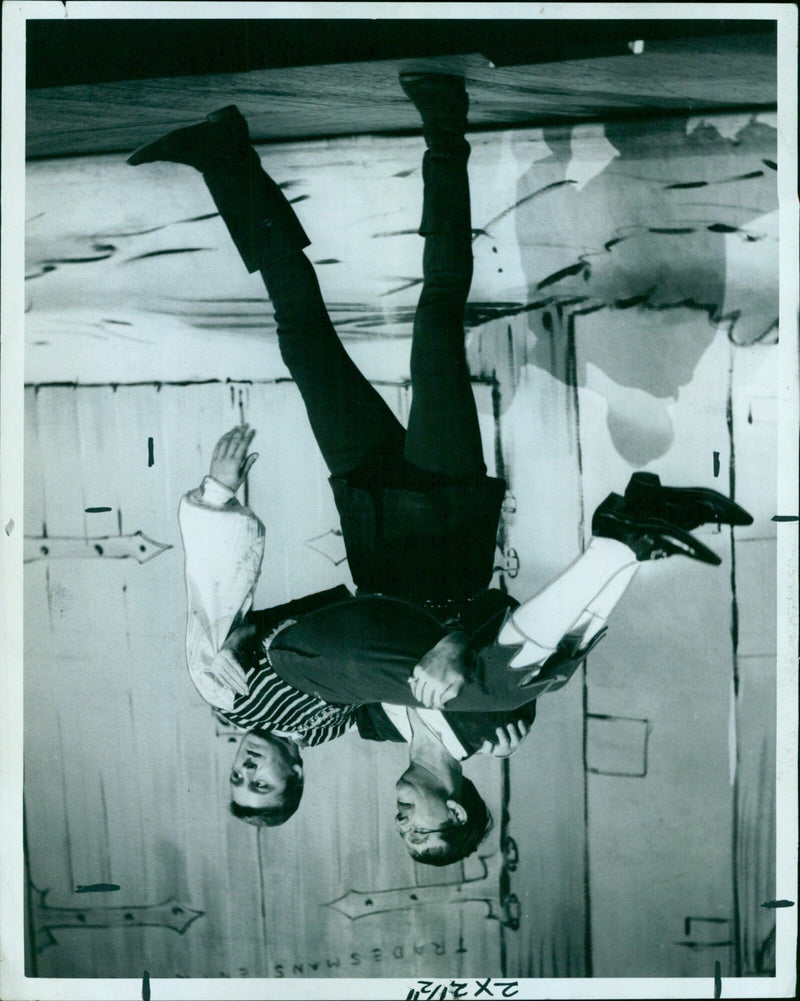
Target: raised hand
x,y
230,462
509,739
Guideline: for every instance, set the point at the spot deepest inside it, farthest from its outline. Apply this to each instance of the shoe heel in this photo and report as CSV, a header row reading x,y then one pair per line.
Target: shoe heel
x,y
646,479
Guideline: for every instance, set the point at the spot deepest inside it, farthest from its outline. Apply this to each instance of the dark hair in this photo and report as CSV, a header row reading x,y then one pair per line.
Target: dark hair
x,y
460,840
273,816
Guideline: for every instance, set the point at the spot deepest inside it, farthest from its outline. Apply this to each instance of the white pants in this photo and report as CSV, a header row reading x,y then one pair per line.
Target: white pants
x,y
579,600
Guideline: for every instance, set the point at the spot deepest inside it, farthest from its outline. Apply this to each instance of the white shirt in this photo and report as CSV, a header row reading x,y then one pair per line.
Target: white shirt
x,y
223,542
433,720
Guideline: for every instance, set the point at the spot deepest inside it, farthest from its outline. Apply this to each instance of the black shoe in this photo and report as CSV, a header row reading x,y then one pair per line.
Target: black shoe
x,y
223,138
686,507
649,538
440,98
259,218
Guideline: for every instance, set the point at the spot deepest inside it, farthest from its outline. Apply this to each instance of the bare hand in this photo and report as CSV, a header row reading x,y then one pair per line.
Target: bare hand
x,y
230,462
509,739
441,673
226,671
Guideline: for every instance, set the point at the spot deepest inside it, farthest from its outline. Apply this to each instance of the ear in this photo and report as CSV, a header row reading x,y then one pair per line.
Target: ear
x,y
457,812
297,768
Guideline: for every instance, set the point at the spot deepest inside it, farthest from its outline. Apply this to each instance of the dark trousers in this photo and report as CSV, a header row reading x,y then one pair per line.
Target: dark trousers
x,y
353,426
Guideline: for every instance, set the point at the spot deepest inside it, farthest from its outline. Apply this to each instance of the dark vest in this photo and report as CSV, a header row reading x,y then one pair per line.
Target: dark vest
x,y
430,541
250,650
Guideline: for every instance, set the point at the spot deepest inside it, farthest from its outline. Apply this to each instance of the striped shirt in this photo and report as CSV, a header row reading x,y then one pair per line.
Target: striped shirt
x,y
273,704
224,545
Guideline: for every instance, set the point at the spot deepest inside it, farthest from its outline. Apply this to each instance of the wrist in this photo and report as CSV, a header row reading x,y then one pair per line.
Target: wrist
x,y
216,493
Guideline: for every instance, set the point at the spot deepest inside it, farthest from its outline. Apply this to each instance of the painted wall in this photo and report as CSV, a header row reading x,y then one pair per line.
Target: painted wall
x,y
622,316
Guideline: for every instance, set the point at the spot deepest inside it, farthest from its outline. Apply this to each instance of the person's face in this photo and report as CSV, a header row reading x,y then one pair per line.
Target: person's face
x,y
423,812
261,769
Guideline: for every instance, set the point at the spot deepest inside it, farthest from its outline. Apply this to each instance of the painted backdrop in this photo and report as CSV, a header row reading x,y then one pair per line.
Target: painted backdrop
x,y
623,316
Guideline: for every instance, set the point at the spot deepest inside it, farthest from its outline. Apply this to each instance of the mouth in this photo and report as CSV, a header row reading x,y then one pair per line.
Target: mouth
x,y
413,838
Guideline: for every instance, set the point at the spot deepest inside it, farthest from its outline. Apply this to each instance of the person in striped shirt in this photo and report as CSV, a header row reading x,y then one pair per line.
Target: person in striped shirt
x,y
299,673
226,642
418,511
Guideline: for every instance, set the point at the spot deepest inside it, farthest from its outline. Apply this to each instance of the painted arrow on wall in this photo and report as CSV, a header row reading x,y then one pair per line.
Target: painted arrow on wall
x,y
136,546
484,889
169,914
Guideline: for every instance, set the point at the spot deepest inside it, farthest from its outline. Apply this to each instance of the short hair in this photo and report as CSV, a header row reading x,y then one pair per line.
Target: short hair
x,y
273,816
460,840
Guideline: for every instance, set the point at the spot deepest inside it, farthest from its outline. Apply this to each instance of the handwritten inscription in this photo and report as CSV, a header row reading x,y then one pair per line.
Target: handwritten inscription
x,y
436,990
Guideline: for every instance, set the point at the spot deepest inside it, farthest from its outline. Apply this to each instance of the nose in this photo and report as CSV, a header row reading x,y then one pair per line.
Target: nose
x,y
248,763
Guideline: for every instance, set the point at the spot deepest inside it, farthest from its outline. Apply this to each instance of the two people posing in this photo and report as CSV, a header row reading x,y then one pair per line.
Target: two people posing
x,y
419,517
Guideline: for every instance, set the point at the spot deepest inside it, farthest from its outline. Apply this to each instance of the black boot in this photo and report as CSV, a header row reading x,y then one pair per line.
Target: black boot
x,y
261,221
649,538
442,102
686,507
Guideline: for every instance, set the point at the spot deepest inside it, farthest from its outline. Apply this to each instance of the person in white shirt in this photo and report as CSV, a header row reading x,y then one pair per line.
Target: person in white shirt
x,y
224,547
301,675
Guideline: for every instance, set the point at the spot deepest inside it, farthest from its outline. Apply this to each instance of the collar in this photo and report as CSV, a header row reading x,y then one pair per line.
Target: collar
x,y
434,720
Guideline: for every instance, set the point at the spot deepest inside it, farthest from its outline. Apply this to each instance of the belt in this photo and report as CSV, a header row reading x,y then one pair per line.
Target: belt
x,y
448,612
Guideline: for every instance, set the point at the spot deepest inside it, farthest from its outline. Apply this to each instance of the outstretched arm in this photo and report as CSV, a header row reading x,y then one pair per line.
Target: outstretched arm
x,y
224,546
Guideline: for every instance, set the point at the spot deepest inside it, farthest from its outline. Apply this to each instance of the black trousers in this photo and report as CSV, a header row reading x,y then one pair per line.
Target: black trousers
x,y
352,424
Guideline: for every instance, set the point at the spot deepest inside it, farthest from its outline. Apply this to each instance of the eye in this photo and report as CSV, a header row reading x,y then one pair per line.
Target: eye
x,y
261,787
236,778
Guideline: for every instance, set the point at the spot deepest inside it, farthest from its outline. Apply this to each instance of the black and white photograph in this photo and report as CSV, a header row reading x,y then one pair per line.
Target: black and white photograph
x,y
399,506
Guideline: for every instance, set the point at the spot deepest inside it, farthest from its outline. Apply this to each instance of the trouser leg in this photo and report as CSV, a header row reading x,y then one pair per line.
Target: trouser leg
x,y
348,417
350,420
544,619
597,613
443,433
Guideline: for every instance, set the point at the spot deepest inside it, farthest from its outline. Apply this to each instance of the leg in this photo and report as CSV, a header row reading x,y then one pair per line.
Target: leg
x,y
596,616
578,602
349,418
443,434
543,620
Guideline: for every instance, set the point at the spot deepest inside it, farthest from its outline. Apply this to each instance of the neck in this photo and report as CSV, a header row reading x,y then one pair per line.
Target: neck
x,y
428,756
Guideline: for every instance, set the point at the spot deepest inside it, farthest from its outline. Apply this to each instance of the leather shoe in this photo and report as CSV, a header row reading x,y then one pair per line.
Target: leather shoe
x,y
649,538
223,138
686,507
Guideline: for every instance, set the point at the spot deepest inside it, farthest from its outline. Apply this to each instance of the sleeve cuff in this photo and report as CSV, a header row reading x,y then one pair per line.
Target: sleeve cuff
x,y
215,494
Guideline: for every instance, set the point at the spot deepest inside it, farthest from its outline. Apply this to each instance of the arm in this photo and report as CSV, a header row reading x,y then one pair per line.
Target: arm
x,y
224,545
